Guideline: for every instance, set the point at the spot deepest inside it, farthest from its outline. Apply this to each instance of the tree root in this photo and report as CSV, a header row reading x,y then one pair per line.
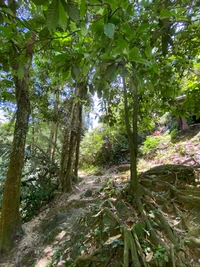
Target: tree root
x,y
164,223
130,246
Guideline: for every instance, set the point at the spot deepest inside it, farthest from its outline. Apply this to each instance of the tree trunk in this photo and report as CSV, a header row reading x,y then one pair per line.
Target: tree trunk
x,y
78,142
10,224
10,216
132,136
54,128
70,142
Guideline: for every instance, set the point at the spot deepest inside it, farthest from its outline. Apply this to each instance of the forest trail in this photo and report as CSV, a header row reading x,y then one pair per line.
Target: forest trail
x,y
28,250
67,230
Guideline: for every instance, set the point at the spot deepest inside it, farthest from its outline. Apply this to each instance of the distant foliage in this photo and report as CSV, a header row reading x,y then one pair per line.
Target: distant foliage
x,y
150,144
104,146
38,182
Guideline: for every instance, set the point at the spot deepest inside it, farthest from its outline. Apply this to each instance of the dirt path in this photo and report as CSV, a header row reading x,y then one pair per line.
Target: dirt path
x,y
30,243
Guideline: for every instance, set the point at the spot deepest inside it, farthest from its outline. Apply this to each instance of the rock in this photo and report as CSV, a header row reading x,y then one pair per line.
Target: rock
x,y
123,167
88,193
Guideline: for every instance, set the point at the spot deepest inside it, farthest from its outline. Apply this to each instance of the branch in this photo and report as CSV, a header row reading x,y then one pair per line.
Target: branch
x,y
50,39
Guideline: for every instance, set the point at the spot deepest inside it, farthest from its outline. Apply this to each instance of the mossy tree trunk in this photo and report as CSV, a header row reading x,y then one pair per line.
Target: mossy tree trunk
x,y
10,223
10,216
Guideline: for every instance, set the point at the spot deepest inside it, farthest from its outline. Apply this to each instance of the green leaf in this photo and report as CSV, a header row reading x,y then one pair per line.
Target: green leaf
x,y
109,30
44,33
73,11
127,30
111,72
149,86
97,29
84,29
40,2
38,19
83,8
5,66
53,15
141,60
155,68
165,13
62,17
123,45
148,51
75,72
143,27
134,53
7,10
20,72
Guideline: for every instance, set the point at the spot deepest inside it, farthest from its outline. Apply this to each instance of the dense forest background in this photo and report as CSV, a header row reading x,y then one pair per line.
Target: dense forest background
x,y
127,63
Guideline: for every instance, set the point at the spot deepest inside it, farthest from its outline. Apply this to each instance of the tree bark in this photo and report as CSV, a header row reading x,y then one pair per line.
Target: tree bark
x,y
78,142
70,142
54,128
132,136
10,224
10,216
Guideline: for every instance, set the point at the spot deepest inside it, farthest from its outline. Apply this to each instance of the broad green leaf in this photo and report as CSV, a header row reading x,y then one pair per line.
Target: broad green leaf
x,y
7,31
60,58
20,72
85,69
109,30
38,19
155,68
111,72
143,27
75,72
40,2
83,8
7,10
62,16
53,15
7,20
123,45
134,53
97,29
84,29
148,51
127,30
73,11
141,60
130,10
165,13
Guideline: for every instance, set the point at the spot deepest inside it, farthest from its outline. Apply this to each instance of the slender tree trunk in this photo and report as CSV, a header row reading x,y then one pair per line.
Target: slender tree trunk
x,y
70,143
32,133
69,150
54,128
79,133
10,216
132,136
55,143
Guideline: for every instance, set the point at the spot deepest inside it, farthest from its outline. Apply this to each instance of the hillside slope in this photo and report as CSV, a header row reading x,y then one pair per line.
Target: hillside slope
x,y
98,224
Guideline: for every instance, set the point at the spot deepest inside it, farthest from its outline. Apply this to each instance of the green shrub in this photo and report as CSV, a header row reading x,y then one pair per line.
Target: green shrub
x,y
39,179
104,146
150,144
